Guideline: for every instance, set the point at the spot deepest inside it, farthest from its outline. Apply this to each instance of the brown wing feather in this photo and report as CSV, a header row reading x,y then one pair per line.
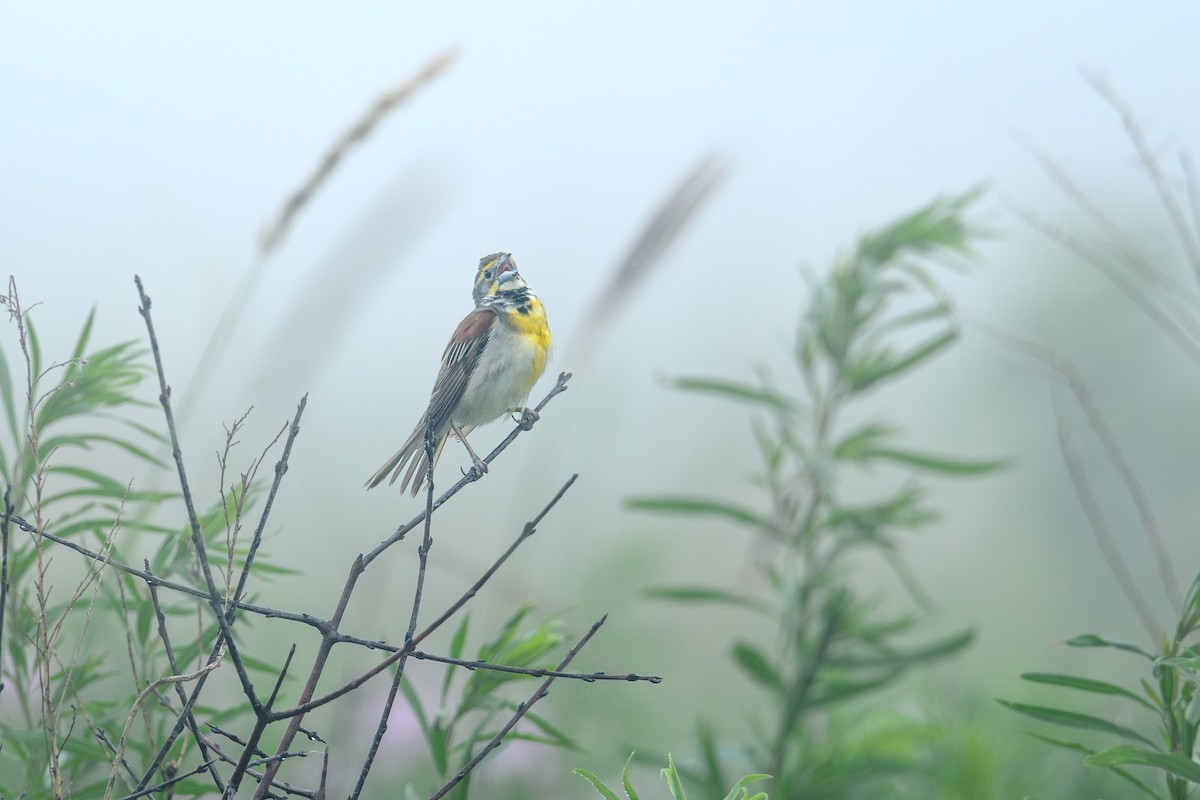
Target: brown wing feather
x,y
458,362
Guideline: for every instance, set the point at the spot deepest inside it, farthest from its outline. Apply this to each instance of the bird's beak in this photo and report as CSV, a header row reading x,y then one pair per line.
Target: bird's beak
x,y
506,270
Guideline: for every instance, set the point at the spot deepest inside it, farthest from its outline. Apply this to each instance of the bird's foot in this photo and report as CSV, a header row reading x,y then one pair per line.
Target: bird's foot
x,y
528,417
478,466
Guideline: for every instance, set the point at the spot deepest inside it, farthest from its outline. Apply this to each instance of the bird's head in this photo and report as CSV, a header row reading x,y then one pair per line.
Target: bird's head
x,y
497,278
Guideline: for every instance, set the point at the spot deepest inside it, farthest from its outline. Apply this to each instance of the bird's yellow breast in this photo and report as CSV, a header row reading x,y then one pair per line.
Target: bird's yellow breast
x,y
529,322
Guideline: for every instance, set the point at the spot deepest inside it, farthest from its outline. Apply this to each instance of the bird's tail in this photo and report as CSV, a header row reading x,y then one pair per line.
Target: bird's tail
x,y
413,454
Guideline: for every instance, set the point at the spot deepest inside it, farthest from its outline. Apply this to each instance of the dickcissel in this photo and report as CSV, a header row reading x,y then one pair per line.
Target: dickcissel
x,y
490,365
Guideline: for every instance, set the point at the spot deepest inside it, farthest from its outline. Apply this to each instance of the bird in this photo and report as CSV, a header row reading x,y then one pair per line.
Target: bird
x,y
493,359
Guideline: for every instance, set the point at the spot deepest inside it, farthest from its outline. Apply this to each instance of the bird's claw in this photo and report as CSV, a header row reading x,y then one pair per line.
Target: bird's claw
x,y
479,468
528,417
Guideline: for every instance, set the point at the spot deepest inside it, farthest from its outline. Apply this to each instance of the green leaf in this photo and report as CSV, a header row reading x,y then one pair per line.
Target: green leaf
x,y
738,391
925,461
84,335
460,637
868,370
1092,640
859,444
709,755
1173,763
414,703
1079,748
552,734
10,402
1073,719
756,664
1085,685
598,785
704,594
739,788
625,782
686,505
672,778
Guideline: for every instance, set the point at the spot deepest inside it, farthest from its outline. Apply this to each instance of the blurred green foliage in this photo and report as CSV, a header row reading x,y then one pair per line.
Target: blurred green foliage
x,y
674,784
80,639
874,317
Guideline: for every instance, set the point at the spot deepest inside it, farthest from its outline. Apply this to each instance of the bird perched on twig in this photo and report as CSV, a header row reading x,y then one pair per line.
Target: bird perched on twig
x,y
493,359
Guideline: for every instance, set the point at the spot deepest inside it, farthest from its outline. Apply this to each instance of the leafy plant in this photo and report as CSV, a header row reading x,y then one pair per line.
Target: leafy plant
x,y
875,317
53,413
674,784
467,719
1168,698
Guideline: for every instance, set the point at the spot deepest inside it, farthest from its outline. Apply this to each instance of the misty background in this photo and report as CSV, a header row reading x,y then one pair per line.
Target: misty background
x,y
163,140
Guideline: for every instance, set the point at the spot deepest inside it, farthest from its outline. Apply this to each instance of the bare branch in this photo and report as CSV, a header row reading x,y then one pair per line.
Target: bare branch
x,y
522,710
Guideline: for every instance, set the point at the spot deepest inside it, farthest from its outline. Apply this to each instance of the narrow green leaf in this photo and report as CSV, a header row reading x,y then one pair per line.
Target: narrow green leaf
x,y
686,505
552,734
438,744
144,618
625,782
755,395
925,461
84,335
597,784
1119,755
704,594
35,348
708,752
860,443
1085,685
9,400
739,788
414,703
1092,640
672,778
460,637
1073,719
868,371
756,664
456,649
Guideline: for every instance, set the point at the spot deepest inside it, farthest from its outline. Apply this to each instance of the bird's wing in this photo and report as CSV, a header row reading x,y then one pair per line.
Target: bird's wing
x,y
458,362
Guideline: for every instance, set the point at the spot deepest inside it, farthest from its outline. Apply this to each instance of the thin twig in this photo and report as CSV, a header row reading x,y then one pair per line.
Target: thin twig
x,y
215,748
1172,324
586,677
418,592
1151,165
559,387
4,588
167,784
102,737
1083,395
358,566
307,706
191,676
1099,525
281,468
225,639
260,726
154,580
522,710
188,716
